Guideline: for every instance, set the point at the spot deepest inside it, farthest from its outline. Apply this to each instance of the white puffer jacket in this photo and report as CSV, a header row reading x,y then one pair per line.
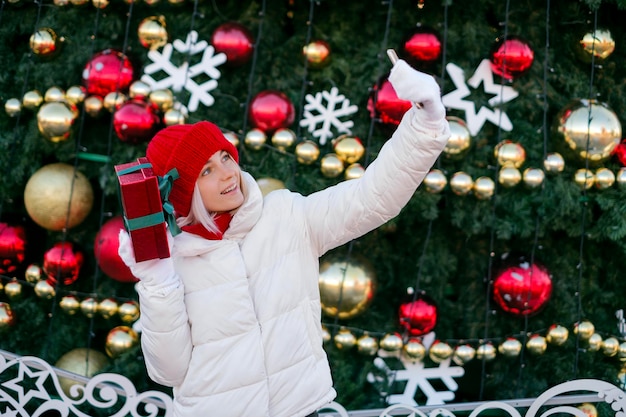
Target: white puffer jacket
x,y
242,335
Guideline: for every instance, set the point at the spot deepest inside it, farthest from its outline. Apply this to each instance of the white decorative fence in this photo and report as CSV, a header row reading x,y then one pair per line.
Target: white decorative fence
x,y
30,387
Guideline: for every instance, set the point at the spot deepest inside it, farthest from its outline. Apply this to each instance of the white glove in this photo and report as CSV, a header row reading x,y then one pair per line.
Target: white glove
x,y
421,88
158,274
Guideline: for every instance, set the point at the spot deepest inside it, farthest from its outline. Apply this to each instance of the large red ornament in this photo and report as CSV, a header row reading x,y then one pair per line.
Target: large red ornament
x,y
108,71
271,110
511,58
385,105
522,289
135,122
421,47
234,40
418,316
12,247
106,247
62,263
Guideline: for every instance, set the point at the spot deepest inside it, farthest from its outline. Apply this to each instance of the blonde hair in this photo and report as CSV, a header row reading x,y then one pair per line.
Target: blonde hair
x,y
198,213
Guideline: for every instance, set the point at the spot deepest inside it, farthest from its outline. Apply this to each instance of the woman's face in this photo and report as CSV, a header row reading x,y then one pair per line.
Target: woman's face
x,y
220,183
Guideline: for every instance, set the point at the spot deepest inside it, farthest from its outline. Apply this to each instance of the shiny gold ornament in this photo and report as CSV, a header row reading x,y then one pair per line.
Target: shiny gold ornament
x,y
367,345
283,139
120,340
610,346
486,352
584,330
463,354
255,139
128,311
162,98
354,171
414,349
620,178
7,318
594,343
12,107
347,285
509,153
440,351
45,42
89,307
326,337
584,178
93,106
509,176
45,290
435,181
152,32
511,347
114,100
484,187
32,99
81,361
13,289
232,138
54,94
76,94
554,163
69,304
47,197
557,335
460,139
307,152
391,342
267,185
536,344
621,352
107,308
100,4
331,166
589,130
349,149
55,120
174,117
33,273
533,177
317,53
589,409
344,339
598,44
139,90
461,183
605,178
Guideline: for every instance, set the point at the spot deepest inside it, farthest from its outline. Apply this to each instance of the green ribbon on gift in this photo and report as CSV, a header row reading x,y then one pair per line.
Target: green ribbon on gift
x,y
144,221
166,182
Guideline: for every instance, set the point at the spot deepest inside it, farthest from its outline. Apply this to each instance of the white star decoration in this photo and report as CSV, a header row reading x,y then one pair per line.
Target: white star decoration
x,y
476,120
25,396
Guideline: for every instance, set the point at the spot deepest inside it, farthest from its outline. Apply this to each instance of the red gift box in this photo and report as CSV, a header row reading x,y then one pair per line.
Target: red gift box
x,y
143,210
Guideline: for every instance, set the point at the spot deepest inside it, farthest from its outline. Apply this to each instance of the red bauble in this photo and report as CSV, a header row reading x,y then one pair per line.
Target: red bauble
x,y
234,40
135,122
62,263
271,110
422,46
106,248
385,105
418,316
511,58
12,247
522,289
107,72
620,152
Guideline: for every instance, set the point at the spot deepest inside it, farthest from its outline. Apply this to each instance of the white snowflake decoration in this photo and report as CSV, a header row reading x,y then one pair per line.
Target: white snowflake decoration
x,y
179,78
316,113
476,120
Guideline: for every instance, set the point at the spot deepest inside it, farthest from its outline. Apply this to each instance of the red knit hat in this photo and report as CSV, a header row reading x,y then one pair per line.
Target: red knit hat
x,y
186,148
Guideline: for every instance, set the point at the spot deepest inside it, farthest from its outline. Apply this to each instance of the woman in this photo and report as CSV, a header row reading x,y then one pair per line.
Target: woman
x,y
232,321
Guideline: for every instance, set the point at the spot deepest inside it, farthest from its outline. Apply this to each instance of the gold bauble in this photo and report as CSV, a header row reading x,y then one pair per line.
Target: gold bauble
x,y
7,318
484,187
326,337
584,178
598,44
621,352
232,138
54,94
347,285
533,177
440,351
120,340
307,152
486,352
557,335
76,94
460,139
589,129
536,344
584,330
93,106
354,171
174,117
610,346
554,163
463,354
33,273
13,289
349,149
414,349
69,304
45,42
255,139
391,342
114,100
267,185
331,165
162,98
47,197
509,153
605,178
32,99
435,181
589,409
45,290
594,343
510,348
89,307
283,138
367,345
107,308
81,361
128,311
461,183
344,339
12,107
139,90
55,120
509,176
317,53
620,178
100,4
152,32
